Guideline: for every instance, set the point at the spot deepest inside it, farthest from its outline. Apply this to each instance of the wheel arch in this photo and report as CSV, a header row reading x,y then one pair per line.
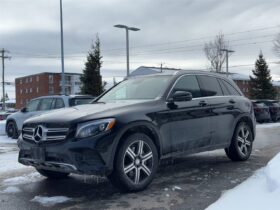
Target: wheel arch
x,y
10,120
141,127
247,119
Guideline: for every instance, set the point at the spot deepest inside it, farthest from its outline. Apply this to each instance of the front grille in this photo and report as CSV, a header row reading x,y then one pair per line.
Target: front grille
x,y
45,134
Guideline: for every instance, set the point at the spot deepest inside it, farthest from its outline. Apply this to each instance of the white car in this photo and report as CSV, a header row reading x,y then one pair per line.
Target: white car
x,y
41,105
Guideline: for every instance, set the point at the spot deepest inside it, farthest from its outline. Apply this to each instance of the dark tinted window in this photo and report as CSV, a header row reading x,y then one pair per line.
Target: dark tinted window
x,y
210,86
190,84
45,104
59,103
230,88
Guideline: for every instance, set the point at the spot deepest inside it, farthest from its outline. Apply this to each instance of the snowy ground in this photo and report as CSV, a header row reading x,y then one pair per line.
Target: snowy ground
x,y
259,192
2,127
268,125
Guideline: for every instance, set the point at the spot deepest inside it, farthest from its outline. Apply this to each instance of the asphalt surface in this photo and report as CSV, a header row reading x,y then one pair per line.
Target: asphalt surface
x,y
192,182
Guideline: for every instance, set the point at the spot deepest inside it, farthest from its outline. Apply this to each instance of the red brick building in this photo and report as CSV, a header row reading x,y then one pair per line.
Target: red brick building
x,y
42,84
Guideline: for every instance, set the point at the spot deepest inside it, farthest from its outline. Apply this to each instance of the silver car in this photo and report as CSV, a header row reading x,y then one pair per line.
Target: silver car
x,y
41,105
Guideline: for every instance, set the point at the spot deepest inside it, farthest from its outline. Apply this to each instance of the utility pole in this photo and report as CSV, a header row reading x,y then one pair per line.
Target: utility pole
x,y
3,51
227,52
62,51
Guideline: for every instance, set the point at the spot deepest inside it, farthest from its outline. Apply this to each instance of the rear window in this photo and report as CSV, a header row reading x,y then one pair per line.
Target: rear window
x,y
79,101
230,89
210,86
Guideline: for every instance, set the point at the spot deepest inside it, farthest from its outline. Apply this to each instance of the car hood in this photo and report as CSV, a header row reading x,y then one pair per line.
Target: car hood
x,y
74,113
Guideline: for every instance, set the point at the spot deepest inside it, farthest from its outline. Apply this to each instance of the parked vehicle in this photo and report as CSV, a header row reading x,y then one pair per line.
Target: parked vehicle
x,y
261,111
10,105
126,131
274,108
4,114
41,105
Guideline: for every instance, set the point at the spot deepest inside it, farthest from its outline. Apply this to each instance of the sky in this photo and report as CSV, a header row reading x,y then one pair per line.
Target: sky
x,y
172,33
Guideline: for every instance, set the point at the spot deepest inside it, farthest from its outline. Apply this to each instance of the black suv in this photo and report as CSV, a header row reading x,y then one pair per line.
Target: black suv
x,y
126,131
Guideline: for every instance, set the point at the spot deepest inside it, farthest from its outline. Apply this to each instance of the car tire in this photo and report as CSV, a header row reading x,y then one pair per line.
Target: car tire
x,y
136,163
241,144
52,174
11,130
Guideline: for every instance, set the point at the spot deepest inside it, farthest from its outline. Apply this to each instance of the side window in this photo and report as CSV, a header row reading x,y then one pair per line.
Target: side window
x,y
190,84
210,86
33,105
45,104
230,88
58,104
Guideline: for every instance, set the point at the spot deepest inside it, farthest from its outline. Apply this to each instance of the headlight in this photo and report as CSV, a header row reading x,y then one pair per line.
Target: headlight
x,y
94,128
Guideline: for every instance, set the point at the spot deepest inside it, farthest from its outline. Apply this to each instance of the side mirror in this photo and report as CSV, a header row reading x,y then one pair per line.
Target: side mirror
x,y
24,109
181,95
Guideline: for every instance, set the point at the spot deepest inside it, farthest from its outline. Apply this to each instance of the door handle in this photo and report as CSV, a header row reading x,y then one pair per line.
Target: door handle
x,y
231,101
202,103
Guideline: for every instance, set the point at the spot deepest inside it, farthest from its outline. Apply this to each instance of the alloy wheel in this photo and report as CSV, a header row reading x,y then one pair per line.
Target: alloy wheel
x,y
243,141
138,161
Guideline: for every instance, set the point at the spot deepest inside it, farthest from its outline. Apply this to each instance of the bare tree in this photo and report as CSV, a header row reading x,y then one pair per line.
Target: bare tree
x,y
276,47
214,54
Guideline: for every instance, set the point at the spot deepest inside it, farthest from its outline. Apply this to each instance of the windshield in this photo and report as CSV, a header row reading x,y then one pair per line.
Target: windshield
x,y
137,89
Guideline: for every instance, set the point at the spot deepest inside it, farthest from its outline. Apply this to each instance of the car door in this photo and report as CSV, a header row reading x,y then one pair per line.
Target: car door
x,y
190,125
222,106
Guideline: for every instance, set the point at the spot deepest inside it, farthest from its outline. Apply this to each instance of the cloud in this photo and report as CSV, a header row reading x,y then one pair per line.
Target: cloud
x,y
172,32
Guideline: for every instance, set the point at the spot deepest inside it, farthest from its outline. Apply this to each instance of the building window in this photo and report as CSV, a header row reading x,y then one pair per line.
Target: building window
x,y
51,90
26,90
37,78
30,79
20,91
51,79
37,90
26,80
30,90
20,81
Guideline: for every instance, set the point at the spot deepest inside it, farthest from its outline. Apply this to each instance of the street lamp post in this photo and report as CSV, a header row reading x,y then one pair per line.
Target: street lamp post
x,y
62,51
227,52
127,43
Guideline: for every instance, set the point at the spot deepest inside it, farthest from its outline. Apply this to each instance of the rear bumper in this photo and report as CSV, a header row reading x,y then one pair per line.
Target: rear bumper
x,y
262,116
91,156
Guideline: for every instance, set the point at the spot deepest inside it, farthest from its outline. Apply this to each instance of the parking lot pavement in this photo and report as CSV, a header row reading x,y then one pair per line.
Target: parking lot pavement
x,y
192,182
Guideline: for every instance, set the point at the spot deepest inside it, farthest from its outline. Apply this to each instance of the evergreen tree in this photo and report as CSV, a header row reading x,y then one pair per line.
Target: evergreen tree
x,y
91,80
6,97
261,85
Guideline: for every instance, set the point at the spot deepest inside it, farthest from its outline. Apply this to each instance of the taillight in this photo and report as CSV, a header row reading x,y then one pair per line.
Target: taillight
x,y
257,110
273,109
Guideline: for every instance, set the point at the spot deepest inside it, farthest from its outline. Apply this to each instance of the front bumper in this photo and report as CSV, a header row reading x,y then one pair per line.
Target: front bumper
x,y
91,156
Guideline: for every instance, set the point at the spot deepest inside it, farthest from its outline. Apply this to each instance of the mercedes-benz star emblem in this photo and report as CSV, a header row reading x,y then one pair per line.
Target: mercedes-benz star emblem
x,y
38,133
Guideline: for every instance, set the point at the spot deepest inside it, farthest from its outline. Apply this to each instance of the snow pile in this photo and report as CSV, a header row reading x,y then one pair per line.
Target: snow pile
x,y
259,192
2,127
9,162
29,178
11,190
272,172
50,201
7,140
268,125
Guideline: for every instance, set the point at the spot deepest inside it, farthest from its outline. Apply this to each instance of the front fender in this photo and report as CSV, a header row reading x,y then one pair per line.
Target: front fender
x,y
118,138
